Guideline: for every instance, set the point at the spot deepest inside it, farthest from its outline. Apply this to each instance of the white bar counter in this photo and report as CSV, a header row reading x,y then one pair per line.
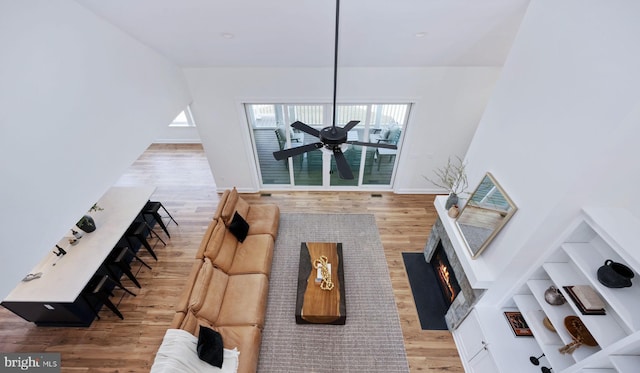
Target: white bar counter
x,y
64,277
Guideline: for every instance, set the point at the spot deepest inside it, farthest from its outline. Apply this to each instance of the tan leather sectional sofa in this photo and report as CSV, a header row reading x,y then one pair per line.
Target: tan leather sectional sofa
x,y
228,284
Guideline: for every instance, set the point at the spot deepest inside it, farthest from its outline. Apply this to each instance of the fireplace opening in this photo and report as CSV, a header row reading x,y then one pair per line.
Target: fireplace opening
x,y
445,275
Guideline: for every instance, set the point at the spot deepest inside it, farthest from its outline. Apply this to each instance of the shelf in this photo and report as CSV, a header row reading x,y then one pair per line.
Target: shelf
x,y
556,314
604,328
512,352
598,370
625,363
528,305
625,301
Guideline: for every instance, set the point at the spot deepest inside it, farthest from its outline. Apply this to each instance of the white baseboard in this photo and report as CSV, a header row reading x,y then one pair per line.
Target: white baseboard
x,y
178,141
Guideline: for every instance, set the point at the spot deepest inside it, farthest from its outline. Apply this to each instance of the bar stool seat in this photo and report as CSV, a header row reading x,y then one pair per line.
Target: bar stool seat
x,y
98,288
138,230
152,208
120,258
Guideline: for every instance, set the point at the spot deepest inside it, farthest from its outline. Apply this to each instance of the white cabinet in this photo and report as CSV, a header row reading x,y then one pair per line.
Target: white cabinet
x,y
474,349
598,235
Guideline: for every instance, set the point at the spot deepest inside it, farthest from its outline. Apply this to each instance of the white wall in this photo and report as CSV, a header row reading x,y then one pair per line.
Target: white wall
x,y
178,135
561,129
79,102
448,104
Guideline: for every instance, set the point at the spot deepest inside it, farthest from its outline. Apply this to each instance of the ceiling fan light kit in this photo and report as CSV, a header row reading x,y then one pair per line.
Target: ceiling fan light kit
x,y
333,139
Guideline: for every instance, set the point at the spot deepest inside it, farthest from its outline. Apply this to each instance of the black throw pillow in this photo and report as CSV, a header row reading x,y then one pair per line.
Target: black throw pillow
x,y
210,347
239,227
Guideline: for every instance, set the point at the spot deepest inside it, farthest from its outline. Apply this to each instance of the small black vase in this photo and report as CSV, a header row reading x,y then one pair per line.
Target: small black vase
x,y
87,224
452,200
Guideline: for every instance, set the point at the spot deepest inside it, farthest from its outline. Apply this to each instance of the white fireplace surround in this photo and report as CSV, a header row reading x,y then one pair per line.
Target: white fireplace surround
x,y
472,276
478,271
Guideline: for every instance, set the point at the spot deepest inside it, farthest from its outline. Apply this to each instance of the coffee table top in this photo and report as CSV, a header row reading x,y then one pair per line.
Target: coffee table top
x,y
315,305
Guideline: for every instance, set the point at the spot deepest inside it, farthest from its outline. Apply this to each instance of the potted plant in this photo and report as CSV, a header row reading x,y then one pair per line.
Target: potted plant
x,y
453,178
86,223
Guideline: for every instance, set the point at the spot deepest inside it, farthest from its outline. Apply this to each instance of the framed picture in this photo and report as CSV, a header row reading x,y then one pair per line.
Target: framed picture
x,y
518,325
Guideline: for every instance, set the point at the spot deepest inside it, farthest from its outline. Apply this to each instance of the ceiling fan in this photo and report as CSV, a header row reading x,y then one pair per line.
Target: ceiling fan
x,y
331,138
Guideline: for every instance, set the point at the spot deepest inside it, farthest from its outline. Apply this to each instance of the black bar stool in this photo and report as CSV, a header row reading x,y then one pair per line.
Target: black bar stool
x,y
152,208
138,230
98,288
120,258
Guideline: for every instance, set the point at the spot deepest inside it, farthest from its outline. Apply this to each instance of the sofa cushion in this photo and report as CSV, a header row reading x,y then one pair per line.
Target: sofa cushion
x,y
226,252
264,219
239,227
246,301
210,347
215,242
190,323
215,296
205,240
247,340
254,255
201,286
229,206
242,207
183,301
221,202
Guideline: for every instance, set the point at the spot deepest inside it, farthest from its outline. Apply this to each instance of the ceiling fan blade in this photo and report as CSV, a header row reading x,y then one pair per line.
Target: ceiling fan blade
x,y
305,128
351,124
343,166
286,153
373,144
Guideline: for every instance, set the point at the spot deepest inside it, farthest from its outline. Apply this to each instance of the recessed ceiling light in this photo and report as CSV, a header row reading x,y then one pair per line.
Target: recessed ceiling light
x,y
227,35
420,34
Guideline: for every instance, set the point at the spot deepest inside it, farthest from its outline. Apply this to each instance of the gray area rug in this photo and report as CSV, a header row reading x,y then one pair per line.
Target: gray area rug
x,y
371,340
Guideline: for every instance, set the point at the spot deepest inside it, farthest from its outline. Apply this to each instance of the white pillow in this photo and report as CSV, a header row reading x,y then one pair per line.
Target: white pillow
x,y
177,354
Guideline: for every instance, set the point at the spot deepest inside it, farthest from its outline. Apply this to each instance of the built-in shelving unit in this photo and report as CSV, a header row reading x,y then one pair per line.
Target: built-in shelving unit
x,y
596,235
583,249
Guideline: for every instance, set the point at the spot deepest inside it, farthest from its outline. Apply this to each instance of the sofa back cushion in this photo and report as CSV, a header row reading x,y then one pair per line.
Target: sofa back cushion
x,y
185,296
221,203
226,252
213,301
234,203
215,242
201,285
205,240
230,206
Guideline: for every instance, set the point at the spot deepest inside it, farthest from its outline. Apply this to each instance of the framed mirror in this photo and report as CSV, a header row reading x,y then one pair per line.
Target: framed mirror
x,y
488,209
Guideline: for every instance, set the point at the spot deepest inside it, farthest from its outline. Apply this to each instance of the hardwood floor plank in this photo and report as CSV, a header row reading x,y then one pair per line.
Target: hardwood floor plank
x,y
186,187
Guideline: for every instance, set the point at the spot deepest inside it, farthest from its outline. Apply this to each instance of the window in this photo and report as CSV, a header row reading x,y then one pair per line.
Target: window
x,y
271,131
184,119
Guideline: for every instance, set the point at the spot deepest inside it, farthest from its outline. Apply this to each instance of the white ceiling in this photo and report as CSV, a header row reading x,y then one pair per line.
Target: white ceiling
x,y
300,33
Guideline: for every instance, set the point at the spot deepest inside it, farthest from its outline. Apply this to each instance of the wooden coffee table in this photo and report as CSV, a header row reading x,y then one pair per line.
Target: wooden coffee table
x,y
315,305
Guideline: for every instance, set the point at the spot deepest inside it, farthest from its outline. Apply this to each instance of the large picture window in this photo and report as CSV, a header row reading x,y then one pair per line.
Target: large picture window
x,y
271,131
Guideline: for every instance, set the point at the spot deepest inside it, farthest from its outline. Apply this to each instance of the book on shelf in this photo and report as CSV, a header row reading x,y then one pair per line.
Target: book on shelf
x,y
586,299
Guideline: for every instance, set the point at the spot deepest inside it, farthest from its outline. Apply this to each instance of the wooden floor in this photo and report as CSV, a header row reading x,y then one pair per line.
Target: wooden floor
x,y
185,186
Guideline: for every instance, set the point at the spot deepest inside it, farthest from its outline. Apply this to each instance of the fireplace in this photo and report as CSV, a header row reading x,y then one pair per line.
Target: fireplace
x,y
464,296
445,275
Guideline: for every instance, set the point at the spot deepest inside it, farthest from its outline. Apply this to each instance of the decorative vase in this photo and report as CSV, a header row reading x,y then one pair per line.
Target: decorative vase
x,y
553,296
87,224
615,275
452,200
454,211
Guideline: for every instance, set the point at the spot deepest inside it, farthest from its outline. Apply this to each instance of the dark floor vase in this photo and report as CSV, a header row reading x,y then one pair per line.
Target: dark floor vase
x,y
452,200
87,224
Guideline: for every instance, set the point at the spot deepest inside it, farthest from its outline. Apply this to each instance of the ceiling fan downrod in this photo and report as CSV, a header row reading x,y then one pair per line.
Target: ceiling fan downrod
x,y
335,65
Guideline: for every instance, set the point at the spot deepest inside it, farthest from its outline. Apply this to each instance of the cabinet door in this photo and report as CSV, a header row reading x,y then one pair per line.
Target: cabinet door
x,y
483,363
471,337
